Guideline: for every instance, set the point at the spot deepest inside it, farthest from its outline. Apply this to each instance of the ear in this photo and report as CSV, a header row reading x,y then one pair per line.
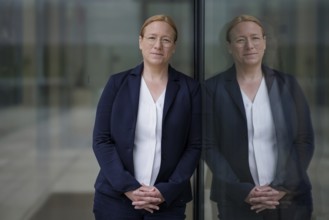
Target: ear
x,y
140,42
264,42
174,48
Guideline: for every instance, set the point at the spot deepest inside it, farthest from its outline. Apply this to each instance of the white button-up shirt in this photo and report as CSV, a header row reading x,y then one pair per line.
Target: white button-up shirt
x,y
147,148
261,135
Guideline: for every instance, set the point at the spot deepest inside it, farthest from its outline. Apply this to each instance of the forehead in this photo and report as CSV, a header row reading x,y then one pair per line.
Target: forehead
x,y
159,27
246,28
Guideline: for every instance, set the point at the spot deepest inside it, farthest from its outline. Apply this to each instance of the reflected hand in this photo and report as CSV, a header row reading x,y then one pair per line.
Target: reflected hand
x,y
264,197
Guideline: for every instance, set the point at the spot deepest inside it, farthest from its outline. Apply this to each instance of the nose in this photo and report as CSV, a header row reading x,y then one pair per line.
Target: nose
x,y
249,43
157,43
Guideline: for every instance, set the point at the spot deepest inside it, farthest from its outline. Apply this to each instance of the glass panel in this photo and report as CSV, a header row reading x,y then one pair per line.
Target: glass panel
x,y
297,43
56,56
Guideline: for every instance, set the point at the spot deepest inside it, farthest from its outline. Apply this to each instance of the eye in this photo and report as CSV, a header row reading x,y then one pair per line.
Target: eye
x,y
150,38
241,40
166,41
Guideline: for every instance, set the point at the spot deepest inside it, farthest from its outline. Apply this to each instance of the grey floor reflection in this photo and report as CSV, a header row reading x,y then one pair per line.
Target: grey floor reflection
x,y
47,168
66,206
46,163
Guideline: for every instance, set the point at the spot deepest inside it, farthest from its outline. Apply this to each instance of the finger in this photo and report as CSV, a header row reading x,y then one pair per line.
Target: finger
x,y
264,201
149,210
267,194
147,207
263,188
145,193
260,210
146,188
260,207
257,200
272,193
147,200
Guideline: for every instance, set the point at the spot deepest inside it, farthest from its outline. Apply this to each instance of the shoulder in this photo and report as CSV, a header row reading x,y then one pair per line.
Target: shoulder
x,y
286,82
182,78
284,77
118,78
176,74
219,79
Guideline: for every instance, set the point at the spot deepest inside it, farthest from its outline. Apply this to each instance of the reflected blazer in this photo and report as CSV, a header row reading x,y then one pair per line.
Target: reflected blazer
x,y
226,137
114,133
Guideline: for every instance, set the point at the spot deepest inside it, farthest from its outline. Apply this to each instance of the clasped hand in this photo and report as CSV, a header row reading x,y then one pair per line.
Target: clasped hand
x,y
146,197
264,197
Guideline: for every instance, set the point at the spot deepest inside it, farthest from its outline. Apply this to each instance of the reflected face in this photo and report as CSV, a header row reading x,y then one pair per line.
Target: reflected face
x,y
157,44
247,44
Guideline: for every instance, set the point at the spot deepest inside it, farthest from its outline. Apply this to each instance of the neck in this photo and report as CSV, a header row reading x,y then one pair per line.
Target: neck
x,y
249,74
155,73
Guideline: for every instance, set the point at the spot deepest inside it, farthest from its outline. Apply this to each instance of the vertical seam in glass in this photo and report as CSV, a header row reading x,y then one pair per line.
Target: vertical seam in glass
x,y
198,62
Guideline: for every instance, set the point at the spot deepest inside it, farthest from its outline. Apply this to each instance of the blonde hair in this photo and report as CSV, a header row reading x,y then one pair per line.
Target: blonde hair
x,y
239,19
164,18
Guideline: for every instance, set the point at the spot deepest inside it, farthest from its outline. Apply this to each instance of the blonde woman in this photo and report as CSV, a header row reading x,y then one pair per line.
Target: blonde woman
x,y
147,136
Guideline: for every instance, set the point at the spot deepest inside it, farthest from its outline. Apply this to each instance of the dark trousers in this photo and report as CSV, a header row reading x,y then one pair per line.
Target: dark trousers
x,y
291,212
109,208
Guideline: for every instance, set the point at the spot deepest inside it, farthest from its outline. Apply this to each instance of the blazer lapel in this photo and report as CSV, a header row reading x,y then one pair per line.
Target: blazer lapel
x,y
283,133
133,84
233,89
171,91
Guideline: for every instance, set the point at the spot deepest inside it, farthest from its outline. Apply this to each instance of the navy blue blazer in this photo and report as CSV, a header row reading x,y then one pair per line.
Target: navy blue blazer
x,y
226,137
114,132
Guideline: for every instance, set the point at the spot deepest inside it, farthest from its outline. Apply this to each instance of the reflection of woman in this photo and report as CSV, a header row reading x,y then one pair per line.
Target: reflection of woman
x,y
147,137
259,134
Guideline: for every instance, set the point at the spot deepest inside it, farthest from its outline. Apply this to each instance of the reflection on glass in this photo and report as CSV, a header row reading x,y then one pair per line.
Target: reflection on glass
x,y
259,138
292,47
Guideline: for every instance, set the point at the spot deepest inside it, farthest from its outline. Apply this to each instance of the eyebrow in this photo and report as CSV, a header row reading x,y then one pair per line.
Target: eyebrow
x,y
244,36
153,34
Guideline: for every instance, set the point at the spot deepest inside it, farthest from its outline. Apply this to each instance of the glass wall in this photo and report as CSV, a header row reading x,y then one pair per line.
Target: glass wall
x,y
297,43
56,56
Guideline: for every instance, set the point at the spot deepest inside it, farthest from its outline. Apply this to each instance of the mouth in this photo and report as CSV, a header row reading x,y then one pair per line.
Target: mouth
x,y
156,54
250,54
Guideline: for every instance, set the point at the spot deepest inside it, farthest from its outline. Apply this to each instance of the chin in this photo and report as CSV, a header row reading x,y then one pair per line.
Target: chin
x,y
252,62
156,62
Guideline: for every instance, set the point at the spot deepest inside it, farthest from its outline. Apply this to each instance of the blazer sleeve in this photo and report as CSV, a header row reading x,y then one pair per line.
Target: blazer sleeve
x,y
296,179
225,182
104,146
304,142
180,177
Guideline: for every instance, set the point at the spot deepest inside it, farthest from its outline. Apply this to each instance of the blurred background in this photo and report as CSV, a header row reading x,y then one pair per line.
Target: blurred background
x,y
56,56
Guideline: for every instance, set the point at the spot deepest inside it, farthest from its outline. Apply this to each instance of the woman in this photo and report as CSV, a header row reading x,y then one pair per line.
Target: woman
x,y
259,134
147,137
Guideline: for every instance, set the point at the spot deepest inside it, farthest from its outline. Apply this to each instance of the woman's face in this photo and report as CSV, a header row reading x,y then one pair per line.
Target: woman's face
x,y
247,44
157,44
